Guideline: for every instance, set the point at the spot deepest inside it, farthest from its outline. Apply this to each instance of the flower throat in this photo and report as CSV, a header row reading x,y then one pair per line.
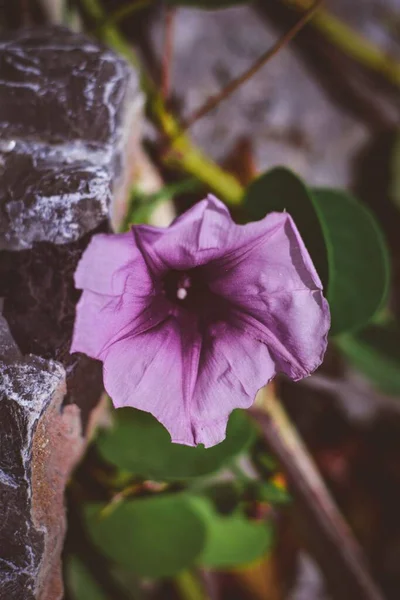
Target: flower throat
x,y
187,289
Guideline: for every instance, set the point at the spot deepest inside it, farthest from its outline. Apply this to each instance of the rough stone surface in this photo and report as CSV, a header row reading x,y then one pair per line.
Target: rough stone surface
x,y
27,387
70,114
64,111
39,305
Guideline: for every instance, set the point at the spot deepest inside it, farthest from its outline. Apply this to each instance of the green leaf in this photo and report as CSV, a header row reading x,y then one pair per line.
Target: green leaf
x,y
375,351
231,539
153,537
81,585
344,240
141,205
359,263
140,444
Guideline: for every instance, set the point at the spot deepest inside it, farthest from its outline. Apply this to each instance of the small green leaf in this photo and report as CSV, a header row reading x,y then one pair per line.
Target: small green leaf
x,y
153,537
344,240
141,205
81,585
231,539
140,444
375,351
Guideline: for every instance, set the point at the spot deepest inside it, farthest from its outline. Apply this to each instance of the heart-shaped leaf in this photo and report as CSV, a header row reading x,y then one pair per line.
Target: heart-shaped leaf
x,y
232,539
156,536
359,264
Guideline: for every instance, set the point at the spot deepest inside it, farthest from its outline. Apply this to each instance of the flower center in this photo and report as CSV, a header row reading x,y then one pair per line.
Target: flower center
x,y
187,289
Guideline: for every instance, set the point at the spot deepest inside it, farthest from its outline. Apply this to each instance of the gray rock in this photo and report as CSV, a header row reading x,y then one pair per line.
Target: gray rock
x,y
69,110
27,388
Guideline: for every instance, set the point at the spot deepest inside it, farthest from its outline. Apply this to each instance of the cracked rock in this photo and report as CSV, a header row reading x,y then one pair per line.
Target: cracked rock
x,y
69,118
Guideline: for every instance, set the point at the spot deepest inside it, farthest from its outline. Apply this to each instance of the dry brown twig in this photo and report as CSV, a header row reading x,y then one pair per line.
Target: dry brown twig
x,y
326,532
228,90
167,53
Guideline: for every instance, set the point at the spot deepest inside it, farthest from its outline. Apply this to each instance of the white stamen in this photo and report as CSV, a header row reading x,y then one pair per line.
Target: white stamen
x,y
7,145
181,293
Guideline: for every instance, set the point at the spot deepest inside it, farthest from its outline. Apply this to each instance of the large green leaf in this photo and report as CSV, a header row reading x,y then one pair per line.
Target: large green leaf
x,y
376,352
231,539
156,536
359,267
140,444
343,238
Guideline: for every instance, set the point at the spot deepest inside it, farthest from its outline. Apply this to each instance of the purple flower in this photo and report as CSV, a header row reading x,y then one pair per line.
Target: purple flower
x,y
192,320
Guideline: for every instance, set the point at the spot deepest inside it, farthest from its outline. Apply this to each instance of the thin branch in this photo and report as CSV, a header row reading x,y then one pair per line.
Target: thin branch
x,y
227,91
329,536
168,47
351,42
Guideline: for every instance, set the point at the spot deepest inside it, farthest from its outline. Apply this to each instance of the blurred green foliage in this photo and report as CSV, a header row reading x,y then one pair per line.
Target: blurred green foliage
x,y
156,536
138,443
164,534
376,352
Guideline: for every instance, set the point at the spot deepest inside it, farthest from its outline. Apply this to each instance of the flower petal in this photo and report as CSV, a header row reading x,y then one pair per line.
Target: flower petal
x,y
112,264
194,238
233,366
277,294
192,401
268,256
103,320
146,372
295,327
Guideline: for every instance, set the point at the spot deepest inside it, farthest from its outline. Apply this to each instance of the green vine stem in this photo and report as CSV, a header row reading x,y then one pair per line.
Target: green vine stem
x,y
189,586
127,10
351,42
